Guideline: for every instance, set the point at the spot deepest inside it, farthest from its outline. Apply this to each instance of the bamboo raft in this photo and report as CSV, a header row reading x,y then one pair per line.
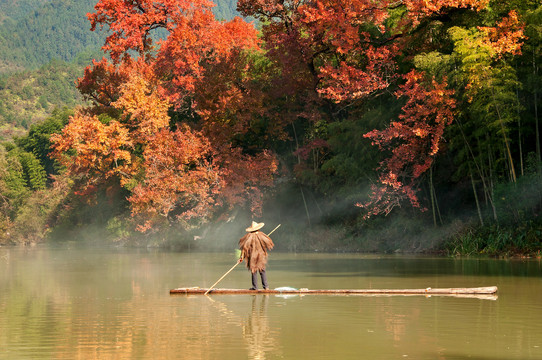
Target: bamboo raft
x,y
463,292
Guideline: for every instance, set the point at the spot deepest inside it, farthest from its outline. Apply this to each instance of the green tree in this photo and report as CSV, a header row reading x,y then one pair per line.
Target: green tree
x,y
37,141
529,69
12,182
33,171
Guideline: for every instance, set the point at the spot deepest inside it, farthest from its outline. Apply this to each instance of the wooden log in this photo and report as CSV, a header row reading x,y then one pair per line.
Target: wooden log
x,y
488,290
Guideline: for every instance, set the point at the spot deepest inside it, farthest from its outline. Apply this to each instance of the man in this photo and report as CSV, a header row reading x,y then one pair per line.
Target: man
x,y
254,247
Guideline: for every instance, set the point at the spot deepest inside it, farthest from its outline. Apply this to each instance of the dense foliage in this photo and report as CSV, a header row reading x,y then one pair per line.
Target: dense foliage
x,y
30,186
407,109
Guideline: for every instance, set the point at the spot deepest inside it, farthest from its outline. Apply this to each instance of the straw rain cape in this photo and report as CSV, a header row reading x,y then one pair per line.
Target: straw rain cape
x,y
254,247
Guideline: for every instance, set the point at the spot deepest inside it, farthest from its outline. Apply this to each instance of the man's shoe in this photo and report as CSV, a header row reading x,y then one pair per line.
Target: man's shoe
x,y
253,288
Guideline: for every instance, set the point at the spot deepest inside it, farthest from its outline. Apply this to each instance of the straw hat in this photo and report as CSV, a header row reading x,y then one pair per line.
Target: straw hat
x,y
255,226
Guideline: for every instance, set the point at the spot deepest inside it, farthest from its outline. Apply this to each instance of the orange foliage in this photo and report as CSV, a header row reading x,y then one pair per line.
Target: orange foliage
x,y
327,51
130,22
195,39
414,141
506,37
368,64
100,83
245,176
179,178
332,38
173,171
93,151
143,109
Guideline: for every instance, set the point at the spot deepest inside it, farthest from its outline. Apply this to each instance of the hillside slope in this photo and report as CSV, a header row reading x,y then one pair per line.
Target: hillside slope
x,y
44,46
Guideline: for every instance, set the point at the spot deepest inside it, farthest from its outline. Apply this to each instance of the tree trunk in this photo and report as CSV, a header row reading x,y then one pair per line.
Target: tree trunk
x,y
476,198
505,140
432,196
434,202
519,134
305,203
438,208
296,143
480,173
537,131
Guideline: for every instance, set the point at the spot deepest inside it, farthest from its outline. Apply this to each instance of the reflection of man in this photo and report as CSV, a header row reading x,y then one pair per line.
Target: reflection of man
x,y
256,330
254,247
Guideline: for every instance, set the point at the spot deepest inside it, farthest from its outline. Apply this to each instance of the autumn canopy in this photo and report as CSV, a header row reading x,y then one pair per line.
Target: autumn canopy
x,y
186,111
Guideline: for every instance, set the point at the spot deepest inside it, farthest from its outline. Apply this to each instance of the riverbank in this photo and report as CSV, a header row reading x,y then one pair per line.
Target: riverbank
x,y
524,240
399,235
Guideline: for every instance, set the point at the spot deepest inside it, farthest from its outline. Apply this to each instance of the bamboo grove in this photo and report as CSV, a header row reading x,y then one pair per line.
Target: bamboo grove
x,y
423,109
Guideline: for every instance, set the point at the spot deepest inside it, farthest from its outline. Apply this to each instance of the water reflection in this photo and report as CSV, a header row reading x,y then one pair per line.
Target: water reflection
x,y
73,304
256,330
319,265
261,340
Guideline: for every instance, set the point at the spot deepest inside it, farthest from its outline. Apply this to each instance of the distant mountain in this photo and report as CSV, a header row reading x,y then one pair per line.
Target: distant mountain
x,y
44,46
225,9
33,32
18,9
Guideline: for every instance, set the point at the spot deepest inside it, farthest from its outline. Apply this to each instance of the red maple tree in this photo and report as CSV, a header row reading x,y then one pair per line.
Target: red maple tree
x,y
348,51
189,116
176,168
413,141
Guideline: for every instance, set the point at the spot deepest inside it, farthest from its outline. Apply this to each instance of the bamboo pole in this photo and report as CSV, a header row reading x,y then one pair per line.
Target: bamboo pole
x,y
223,276
233,267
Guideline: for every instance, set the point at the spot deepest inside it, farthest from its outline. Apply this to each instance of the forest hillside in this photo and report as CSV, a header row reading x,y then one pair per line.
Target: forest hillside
x,y
34,32
44,47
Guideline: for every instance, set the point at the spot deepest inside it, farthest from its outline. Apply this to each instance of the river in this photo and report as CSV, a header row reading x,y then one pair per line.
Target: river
x,y
70,302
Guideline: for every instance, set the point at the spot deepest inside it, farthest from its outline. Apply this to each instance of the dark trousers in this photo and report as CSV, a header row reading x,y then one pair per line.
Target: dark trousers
x,y
255,279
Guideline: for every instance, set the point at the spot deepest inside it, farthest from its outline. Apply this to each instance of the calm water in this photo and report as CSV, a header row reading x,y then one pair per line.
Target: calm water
x,y
62,303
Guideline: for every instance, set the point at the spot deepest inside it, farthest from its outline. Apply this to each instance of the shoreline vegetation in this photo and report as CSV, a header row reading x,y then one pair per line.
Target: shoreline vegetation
x,y
458,240
459,246
412,128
